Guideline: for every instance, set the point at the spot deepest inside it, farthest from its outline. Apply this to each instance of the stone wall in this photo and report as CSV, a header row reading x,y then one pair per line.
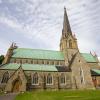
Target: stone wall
x,y
42,80
81,75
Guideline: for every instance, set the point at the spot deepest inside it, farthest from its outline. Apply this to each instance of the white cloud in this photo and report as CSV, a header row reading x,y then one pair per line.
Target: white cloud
x,y
9,22
41,20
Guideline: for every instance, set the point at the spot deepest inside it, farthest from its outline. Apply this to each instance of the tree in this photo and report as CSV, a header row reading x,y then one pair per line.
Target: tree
x,y
1,59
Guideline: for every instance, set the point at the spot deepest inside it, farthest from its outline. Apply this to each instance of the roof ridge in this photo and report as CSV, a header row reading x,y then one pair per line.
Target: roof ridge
x,y
40,49
29,64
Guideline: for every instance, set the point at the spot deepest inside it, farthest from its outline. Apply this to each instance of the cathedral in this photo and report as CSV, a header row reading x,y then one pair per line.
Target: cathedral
x,y
26,69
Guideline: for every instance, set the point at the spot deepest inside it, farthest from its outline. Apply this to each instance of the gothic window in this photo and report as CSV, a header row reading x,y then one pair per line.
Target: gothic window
x,y
81,75
62,79
5,77
35,79
49,80
70,43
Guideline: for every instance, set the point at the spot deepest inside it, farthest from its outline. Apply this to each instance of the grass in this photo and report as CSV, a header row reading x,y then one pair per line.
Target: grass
x,y
60,95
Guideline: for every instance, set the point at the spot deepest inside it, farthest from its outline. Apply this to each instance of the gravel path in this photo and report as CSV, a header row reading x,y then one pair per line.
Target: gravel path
x,y
9,96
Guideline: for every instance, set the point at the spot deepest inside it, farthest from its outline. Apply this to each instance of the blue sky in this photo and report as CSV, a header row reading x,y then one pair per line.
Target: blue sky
x,y
38,23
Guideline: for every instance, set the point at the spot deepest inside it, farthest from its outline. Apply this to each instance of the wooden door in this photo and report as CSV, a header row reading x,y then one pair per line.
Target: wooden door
x,y
94,81
16,86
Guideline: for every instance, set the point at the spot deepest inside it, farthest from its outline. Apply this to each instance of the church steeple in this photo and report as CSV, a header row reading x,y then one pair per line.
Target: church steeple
x,y
68,42
66,25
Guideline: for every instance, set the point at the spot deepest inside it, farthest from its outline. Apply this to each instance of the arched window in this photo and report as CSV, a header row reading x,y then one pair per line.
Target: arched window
x,y
70,43
62,79
49,79
5,77
35,79
81,75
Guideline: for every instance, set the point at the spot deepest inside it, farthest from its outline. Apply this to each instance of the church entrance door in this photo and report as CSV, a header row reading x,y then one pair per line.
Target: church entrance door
x,y
16,85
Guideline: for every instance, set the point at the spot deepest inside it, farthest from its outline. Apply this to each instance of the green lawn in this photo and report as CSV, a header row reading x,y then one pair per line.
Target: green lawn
x,y
60,95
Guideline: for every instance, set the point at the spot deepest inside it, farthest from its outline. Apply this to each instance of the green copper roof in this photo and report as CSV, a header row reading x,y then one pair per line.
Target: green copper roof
x,y
37,54
46,54
95,72
88,57
34,67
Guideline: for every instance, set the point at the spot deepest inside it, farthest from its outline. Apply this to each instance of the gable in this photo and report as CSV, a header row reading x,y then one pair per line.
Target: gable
x,y
37,54
19,76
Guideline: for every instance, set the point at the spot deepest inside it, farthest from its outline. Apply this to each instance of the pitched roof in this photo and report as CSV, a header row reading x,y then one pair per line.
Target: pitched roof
x,y
46,54
34,67
95,72
88,57
37,54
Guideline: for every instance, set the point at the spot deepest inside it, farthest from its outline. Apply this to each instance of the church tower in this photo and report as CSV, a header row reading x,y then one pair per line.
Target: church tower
x,y
68,42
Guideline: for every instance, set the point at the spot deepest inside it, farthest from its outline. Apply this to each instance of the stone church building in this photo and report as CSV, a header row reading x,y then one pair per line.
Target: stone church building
x,y
25,69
